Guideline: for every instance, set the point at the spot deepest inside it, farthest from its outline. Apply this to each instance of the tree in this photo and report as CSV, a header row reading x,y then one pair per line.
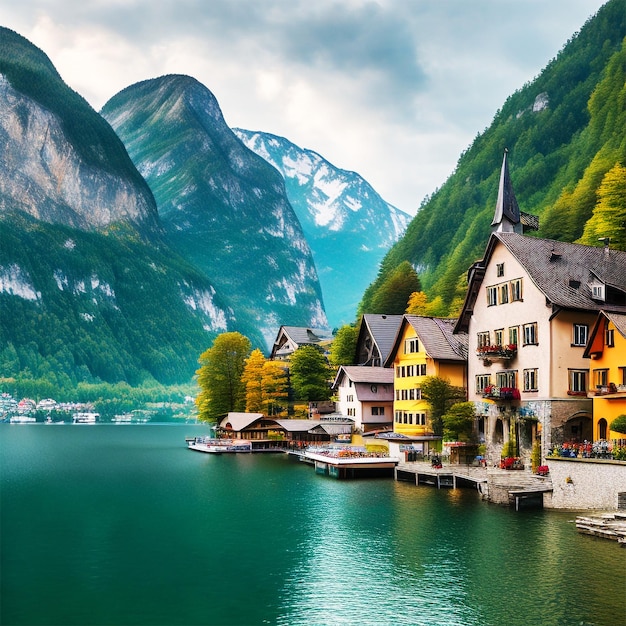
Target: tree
x,y
458,422
275,387
265,383
310,374
441,395
609,214
343,349
393,294
619,424
252,379
219,377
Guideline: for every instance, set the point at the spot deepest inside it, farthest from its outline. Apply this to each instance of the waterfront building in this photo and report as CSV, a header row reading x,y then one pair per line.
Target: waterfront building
x,y
607,350
375,340
528,310
365,395
423,346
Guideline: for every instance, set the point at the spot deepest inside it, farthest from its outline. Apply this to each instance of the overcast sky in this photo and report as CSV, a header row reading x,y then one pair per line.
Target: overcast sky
x,y
392,89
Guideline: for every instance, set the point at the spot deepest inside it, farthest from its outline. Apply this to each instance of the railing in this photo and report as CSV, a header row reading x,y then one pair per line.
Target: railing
x,y
501,393
600,449
497,352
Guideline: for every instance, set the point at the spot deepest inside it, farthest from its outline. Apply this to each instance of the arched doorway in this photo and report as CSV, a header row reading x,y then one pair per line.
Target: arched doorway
x,y
602,428
579,427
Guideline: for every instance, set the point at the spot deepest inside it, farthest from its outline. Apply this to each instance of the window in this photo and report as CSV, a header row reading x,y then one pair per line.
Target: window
x,y
422,369
581,332
530,379
498,335
622,375
351,412
516,290
482,381
350,398
530,334
483,339
578,381
514,335
500,269
597,292
492,296
378,410
374,388
411,346
609,338
504,293
506,379
601,378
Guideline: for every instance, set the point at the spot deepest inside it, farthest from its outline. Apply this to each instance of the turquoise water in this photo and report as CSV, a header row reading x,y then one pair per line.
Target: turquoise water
x,y
122,525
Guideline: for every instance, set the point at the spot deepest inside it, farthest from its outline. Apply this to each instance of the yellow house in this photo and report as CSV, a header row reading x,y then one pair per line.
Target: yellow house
x,y
424,346
607,350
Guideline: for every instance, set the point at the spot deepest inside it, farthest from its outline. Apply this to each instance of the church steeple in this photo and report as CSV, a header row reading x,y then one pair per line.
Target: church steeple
x,y
507,218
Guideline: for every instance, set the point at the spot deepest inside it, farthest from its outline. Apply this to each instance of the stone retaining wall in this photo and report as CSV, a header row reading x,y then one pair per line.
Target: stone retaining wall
x,y
585,483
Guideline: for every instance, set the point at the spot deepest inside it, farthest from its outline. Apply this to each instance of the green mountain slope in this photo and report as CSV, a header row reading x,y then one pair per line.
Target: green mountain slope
x,y
90,290
564,132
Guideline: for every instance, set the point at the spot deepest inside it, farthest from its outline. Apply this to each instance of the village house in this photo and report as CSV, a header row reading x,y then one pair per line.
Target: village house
x,y
423,346
266,433
528,310
607,350
290,338
375,339
365,395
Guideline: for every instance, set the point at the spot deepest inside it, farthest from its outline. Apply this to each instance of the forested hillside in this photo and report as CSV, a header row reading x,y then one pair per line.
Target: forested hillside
x,y
566,136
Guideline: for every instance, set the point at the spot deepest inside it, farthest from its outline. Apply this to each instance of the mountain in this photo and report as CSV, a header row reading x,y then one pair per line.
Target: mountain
x,y
224,208
89,288
567,149
347,224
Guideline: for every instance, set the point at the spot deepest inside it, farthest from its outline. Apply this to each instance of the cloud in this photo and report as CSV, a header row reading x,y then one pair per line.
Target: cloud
x,y
392,89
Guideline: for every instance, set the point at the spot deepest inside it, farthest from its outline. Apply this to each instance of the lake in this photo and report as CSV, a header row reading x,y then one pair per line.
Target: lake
x,y
122,525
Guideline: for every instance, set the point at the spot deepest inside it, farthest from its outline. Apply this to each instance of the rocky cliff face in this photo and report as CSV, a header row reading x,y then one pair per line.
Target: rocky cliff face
x,y
44,175
224,208
347,224
90,290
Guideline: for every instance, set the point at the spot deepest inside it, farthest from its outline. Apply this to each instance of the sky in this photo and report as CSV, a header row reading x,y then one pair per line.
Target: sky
x,y
395,90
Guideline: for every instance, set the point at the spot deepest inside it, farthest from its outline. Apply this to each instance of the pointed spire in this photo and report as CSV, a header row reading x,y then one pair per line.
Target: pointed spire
x,y
507,214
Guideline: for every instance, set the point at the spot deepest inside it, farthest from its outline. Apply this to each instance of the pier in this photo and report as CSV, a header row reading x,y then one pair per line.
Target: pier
x,y
510,487
606,525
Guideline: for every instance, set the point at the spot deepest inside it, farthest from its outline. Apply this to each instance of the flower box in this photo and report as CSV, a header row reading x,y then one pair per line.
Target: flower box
x,y
497,351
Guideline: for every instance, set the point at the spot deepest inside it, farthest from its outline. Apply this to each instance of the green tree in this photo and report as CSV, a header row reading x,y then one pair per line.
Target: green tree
x,y
393,294
343,348
619,424
441,395
310,374
458,422
609,214
220,374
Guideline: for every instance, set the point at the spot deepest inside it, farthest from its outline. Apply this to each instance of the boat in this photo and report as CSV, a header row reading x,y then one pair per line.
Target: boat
x,y
219,446
85,418
22,419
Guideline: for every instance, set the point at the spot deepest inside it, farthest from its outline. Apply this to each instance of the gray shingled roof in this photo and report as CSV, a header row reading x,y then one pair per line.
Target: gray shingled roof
x,y
302,335
562,271
437,337
619,320
382,329
436,334
366,374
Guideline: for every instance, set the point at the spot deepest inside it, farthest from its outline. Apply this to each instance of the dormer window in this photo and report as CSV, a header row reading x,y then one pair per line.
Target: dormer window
x,y
597,291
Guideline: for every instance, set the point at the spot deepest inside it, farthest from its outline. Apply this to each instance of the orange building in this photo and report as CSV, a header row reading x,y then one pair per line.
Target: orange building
x,y
607,350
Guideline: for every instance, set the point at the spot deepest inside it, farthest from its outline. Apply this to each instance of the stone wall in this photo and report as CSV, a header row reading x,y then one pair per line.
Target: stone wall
x,y
585,483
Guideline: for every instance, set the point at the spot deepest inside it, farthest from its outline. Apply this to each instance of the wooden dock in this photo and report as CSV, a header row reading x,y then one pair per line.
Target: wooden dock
x,y
605,525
